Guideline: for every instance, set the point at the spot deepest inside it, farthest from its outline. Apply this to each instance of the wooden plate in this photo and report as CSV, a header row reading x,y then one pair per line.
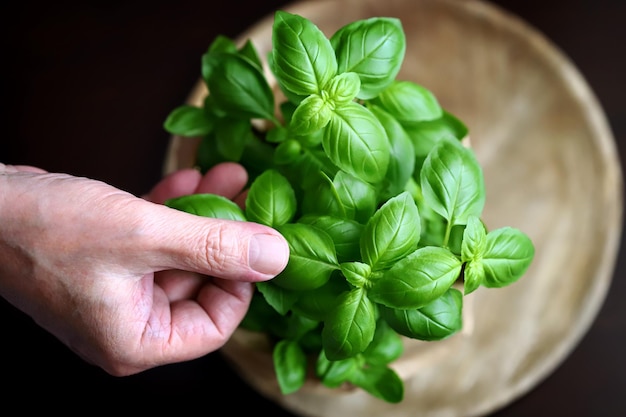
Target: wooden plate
x,y
551,169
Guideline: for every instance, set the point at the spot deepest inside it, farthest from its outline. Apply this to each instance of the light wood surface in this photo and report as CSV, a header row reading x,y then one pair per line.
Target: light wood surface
x,y
551,169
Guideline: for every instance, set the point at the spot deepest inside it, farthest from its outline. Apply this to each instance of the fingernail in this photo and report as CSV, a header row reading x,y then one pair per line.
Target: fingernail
x,y
268,254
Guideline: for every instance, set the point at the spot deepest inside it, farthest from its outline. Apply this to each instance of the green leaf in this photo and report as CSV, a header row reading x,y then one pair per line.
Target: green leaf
x,y
345,233
373,48
322,198
349,327
356,273
280,299
386,346
381,382
271,200
425,135
392,233
417,279
409,102
357,197
303,59
356,142
207,205
334,373
402,156
472,252
508,254
240,89
231,136
312,257
188,121
437,320
311,115
452,182
343,88
315,304
290,365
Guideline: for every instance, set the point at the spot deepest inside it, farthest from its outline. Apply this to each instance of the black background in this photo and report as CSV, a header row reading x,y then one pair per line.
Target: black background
x,y
86,89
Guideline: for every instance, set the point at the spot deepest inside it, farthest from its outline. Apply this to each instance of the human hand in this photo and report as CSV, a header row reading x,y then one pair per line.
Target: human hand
x,y
126,282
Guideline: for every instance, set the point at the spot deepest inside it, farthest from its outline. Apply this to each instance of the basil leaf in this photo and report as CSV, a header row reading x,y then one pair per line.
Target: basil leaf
x,y
508,254
271,200
426,134
290,365
409,102
231,136
402,156
381,382
452,182
356,273
188,121
386,346
241,89
322,199
343,88
345,233
207,205
303,59
392,233
373,48
335,373
311,115
315,304
416,280
356,142
280,299
472,252
261,317
437,320
349,326
312,257
357,197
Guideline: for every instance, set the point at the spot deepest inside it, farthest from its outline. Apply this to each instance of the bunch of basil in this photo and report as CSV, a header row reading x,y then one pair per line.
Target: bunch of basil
x,y
366,177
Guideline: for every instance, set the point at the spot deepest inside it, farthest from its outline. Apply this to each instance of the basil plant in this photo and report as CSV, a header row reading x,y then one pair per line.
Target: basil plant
x,y
366,177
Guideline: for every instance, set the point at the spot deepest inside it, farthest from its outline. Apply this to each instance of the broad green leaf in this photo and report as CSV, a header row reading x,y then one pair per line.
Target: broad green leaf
x,y
271,200
262,317
334,373
322,199
356,142
416,280
240,89
302,57
232,136
343,88
381,382
311,115
290,364
188,121
207,205
373,48
220,45
424,135
386,346
312,257
402,157
299,325
345,233
508,254
315,304
357,196
350,325
280,299
472,252
356,273
249,51
392,232
437,320
287,152
409,102
452,182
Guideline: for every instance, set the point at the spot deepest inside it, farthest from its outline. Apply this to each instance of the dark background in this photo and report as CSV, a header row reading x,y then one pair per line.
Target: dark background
x,y
86,89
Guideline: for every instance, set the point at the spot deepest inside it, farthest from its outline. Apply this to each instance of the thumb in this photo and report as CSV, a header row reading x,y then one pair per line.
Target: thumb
x,y
221,248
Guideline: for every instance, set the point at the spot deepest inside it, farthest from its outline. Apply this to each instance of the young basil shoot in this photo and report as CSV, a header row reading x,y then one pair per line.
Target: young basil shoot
x,y
366,177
